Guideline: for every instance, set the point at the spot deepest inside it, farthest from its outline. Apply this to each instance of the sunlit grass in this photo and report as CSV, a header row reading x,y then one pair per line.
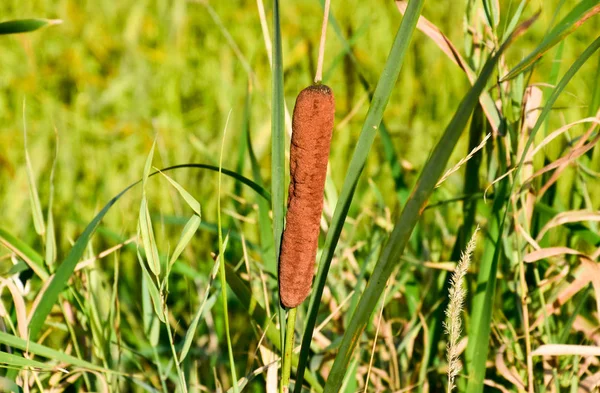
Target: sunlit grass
x,y
117,290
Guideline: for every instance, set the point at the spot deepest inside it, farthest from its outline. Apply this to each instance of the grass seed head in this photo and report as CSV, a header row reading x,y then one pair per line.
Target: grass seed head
x,y
312,126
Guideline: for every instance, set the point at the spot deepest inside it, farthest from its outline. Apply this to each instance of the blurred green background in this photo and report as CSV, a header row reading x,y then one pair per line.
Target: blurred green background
x,y
115,74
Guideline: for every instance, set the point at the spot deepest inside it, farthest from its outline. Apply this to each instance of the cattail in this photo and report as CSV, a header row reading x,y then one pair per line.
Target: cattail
x,y
312,126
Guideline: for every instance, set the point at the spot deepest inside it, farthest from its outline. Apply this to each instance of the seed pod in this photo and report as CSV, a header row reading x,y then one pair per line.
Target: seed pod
x,y
312,126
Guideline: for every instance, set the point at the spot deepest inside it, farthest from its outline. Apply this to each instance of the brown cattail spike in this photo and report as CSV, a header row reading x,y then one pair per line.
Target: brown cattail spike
x,y
312,126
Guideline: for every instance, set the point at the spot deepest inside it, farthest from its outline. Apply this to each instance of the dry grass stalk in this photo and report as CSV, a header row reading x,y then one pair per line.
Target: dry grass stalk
x,y
453,326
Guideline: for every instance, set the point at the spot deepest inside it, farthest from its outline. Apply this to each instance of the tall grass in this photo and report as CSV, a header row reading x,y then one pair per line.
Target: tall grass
x,y
120,293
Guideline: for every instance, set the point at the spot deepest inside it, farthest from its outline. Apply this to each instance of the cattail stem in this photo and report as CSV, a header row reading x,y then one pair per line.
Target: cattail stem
x,y
289,347
319,73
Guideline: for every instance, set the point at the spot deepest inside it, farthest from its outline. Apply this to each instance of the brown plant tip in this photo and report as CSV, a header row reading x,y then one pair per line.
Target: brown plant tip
x,y
312,126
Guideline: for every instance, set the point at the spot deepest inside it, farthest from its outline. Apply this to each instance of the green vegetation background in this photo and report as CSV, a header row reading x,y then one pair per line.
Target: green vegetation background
x,y
116,73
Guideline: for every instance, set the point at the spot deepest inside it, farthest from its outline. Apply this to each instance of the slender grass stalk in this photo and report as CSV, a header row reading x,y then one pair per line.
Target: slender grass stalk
x,y
379,102
319,73
409,218
278,150
180,375
222,274
289,347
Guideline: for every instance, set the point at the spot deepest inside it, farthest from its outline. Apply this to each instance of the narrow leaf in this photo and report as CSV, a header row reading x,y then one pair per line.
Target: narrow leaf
x,y
187,233
189,199
26,25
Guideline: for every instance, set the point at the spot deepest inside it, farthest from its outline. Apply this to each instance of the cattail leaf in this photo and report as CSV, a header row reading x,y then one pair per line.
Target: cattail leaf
x,y
571,22
187,233
278,147
189,199
25,25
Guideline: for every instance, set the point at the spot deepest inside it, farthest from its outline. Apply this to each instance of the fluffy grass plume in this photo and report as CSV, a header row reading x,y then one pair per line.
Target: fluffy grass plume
x,y
453,326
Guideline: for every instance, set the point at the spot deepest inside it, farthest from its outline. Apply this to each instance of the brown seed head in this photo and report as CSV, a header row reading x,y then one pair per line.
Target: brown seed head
x,y
312,126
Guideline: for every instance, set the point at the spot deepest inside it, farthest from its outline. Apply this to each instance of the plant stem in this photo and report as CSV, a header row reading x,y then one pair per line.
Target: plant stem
x,y
319,74
223,278
289,347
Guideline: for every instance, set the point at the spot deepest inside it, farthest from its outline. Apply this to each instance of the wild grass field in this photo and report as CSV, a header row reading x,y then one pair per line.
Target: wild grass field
x,y
459,247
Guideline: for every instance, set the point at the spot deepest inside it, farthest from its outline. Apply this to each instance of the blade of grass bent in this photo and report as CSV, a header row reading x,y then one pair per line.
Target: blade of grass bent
x,y
278,148
482,329
409,217
66,268
384,88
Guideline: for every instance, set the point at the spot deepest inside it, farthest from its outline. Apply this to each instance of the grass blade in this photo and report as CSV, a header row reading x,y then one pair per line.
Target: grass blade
x,y
8,359
145,221
189,335
147,237
66,268
481,326
25,252
222,268
26,25
189,199
49,353
187,233
367,136
409,217
34,198
578,15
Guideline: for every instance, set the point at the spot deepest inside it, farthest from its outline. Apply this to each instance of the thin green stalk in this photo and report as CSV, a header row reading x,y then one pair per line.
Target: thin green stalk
x,y
75,342
159,369
379,102
278,149
182,384
408,219
222,274
289,347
